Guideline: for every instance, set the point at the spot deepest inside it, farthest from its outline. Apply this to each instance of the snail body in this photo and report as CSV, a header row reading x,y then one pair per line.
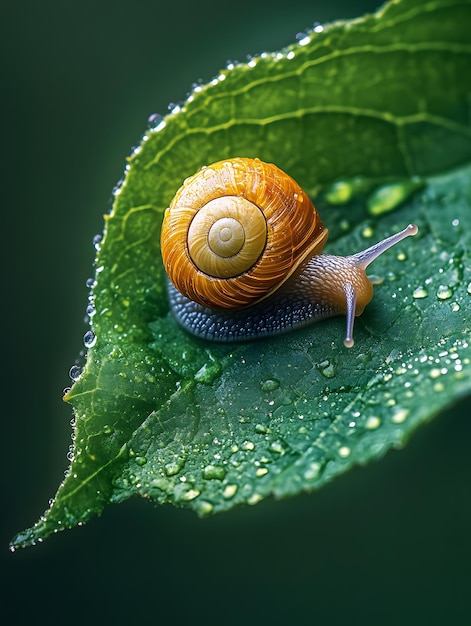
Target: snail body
x,y
242,246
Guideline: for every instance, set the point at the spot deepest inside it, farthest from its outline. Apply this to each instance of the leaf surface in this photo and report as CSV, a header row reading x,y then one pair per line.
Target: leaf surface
x,y
383,99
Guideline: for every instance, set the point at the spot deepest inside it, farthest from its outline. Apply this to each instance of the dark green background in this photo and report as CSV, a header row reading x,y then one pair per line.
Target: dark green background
x,y
385,544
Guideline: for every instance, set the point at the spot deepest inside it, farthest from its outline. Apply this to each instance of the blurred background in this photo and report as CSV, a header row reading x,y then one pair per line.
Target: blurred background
x,y
385,544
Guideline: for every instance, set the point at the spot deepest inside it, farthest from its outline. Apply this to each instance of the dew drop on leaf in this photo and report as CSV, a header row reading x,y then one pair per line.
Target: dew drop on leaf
x,y
75,372
271,384
327,368
230,491
343,191
214,472
261,429
388,197
419,292
399,416
173,468
277,446
372,422
89,339
261,471
97,239
154,120
444,292
312,471
204,508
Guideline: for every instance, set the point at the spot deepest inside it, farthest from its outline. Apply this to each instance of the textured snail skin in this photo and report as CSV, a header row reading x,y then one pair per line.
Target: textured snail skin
x,y
309,296
288,284
263,319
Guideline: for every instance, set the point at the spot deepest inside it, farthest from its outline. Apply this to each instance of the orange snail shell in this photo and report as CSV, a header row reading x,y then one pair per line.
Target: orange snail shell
x,y
290,231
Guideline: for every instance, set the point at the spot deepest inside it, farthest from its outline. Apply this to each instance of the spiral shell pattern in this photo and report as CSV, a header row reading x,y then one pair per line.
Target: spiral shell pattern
x,y
236,231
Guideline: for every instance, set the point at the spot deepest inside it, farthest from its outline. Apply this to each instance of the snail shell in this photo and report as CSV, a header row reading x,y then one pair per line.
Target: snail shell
x,y
236,231
241,243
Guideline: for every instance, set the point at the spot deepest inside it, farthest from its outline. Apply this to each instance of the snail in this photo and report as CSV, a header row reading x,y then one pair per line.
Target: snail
x,y
241,243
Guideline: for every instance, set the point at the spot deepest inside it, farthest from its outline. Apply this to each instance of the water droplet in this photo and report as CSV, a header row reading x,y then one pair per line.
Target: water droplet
x,y
444,292
455,307
159,483
90,283
277,447
390,196
261,429
468,288
230,491
90,310
312,471
419,292
97,239
174,467
154,119
89,339
271,384
327,368
261,471
75,372
303,39
255,498
372,422
191,494
399,416
214,472
344,452
204,508
248,445
339,192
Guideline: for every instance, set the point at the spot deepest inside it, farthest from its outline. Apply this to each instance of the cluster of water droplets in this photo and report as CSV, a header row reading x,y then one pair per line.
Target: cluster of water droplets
x,y
230,468
89,338
211,473
157,122
305,37
380,198
445,281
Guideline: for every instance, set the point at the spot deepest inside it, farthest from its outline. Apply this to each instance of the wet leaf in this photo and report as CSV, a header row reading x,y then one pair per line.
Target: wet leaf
x,y
379,101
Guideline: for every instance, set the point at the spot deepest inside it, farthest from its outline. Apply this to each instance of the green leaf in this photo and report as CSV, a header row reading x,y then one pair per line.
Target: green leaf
x,y
383,99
